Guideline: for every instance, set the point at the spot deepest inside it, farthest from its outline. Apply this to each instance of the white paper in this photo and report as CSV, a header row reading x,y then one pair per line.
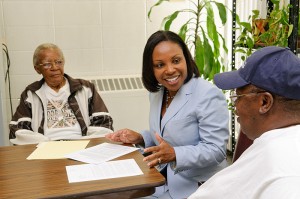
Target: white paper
x,y
100,153
105,170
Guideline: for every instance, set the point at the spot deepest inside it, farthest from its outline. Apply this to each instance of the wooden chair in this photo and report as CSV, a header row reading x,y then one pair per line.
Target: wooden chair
x,y
242,144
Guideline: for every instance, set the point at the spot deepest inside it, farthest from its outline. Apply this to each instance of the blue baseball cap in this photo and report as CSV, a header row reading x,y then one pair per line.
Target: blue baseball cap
x,y
274,69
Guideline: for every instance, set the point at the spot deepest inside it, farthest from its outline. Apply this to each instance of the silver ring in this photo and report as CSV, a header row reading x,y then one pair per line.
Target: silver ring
x,y
159,161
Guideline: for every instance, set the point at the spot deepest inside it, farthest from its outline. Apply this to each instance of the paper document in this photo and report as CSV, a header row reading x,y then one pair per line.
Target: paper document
x,y
105,170
100,153
57,149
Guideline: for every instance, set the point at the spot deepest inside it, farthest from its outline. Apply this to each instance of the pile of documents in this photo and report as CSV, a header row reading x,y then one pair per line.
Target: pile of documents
x,y
97,158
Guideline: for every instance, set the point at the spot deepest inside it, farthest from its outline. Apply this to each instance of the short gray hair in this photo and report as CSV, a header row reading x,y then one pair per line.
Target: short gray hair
x,y
42,47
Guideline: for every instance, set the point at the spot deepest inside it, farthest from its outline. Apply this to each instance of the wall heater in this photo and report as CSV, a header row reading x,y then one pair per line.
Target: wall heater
x,y
126,99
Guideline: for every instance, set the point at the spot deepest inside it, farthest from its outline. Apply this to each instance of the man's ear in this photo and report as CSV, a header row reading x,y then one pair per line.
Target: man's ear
x,y
267,102
37,69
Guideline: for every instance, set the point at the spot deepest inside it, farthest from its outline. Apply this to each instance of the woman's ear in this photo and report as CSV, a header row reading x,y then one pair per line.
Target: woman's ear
x,y
37,69
267,102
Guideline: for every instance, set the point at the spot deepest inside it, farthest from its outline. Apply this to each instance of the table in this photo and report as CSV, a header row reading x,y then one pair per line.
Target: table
x,y
22,178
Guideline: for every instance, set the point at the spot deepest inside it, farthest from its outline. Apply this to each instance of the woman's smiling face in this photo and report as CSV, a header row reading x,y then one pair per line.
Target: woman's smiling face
x,y
169,65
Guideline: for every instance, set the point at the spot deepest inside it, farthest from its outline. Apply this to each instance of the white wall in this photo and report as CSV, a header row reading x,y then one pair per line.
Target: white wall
x,y
3,113
98,38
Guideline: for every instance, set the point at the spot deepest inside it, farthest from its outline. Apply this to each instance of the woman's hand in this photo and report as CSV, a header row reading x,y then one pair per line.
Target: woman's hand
x,y
126,136
163,153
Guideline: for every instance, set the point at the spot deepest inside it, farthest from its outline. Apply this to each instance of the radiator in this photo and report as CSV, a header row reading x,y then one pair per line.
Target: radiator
x,y
126,99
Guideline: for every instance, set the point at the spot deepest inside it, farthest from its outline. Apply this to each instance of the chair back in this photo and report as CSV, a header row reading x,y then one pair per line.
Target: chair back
x,y
242,144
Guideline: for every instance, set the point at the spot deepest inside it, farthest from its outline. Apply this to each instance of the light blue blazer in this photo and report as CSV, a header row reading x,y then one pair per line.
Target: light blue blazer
x,y
196,125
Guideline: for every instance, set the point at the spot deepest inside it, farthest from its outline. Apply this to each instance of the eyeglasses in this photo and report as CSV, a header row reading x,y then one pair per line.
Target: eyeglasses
x,y
47,65
234,97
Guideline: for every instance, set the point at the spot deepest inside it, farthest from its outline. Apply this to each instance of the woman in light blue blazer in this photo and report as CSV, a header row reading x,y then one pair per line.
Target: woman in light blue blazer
x,y
188,118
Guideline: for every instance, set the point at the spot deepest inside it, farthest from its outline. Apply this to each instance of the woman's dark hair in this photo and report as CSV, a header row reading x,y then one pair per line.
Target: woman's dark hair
x,y
149,80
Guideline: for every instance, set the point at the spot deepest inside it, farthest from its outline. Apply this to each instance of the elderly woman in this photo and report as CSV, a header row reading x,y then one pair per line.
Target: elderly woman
x,y
58,107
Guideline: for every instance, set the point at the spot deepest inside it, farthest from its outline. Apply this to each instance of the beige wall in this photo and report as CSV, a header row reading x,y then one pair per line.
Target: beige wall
x,y
98,38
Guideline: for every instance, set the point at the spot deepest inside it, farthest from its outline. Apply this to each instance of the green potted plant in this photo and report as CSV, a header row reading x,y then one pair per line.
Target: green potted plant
x,y
201,35
257,32
279,28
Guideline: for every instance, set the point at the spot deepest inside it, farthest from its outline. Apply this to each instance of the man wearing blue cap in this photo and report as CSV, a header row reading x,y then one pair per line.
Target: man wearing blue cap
x,y
267,104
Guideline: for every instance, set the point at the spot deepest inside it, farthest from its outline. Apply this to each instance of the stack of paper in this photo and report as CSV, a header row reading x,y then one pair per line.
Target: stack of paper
x,y
97,157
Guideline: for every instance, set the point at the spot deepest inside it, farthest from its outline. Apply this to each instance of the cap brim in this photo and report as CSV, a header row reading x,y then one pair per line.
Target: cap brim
x,y
229,80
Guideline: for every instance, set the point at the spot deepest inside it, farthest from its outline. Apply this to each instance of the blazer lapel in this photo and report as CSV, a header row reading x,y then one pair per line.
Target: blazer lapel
x,y
182,97
155,110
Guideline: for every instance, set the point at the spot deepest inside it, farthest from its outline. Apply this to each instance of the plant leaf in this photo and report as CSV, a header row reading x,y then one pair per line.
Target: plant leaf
x,y
290,29
224,43
167,21
255,14
246,25
249,42
240,50
222,12
183,31
156,4
199,55
210,21
216,69
208,57
212,29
